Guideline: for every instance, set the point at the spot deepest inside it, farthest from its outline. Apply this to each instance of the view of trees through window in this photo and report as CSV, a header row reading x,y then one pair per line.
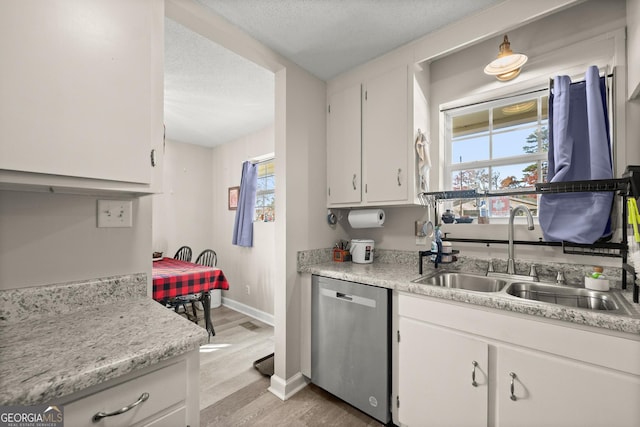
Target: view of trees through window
x,y
266,192
497,145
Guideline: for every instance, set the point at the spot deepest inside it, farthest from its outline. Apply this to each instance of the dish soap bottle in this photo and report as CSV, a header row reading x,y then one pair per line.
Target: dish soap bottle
x,y
436,246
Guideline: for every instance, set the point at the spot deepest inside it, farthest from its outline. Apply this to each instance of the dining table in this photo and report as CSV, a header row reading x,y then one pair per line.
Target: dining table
x,y
174,278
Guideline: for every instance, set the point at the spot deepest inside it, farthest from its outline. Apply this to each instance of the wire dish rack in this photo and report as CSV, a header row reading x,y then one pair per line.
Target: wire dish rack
x,y
627,186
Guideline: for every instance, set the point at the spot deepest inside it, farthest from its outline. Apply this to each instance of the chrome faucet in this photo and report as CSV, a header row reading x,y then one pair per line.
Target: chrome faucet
x,y
511,268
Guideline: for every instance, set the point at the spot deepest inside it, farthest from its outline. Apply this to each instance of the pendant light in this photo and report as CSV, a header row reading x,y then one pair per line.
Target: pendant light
x,y
507,65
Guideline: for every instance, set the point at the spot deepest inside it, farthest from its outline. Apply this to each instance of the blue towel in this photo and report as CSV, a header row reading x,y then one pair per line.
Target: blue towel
x,y
243,226
579,149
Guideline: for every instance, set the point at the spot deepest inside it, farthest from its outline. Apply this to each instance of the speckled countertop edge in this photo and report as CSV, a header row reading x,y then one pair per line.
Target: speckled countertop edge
x,y
31,304
398,275
56,355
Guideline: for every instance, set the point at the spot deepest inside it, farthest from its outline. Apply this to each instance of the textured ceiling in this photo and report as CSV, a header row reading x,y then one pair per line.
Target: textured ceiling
x,y
213,96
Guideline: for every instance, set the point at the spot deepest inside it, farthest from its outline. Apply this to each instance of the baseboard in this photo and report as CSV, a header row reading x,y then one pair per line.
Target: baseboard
x,y
249,311
285,389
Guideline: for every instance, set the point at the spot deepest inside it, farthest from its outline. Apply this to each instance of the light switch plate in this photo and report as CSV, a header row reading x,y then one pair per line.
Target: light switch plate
x,y
115,213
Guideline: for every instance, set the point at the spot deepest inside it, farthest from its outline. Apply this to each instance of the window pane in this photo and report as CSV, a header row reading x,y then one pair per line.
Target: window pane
x,y
470,179
515,114
515,142
262,184
471,123
522,175
470,149
270,182
265,194
499,207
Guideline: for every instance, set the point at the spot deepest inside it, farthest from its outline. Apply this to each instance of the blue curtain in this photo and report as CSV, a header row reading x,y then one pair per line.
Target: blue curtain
x,y
243,226
579,149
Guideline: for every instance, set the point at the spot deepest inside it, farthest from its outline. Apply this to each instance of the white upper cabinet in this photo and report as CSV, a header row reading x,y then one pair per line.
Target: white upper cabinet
x,y
82,93
371,158
385,124
344,144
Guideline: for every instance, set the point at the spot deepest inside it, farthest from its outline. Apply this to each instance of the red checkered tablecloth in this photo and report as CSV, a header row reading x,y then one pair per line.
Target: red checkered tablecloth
x,y
172,278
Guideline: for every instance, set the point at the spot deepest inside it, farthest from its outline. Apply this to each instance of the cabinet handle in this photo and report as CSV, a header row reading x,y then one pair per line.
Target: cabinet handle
x,y
513,377
399,172
153,158
353,181
473,374
100,415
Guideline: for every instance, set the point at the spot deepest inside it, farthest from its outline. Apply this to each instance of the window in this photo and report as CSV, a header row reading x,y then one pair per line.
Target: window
x,y
497,145
266,192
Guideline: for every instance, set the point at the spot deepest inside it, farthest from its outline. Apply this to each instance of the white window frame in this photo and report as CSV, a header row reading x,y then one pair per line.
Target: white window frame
x,y
447,116
263,160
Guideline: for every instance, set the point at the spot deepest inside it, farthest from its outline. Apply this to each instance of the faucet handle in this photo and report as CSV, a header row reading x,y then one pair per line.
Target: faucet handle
x,y
533,272
560,280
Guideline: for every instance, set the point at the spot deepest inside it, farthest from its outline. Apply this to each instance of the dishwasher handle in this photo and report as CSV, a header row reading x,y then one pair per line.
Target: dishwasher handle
x,y
340,295
354,299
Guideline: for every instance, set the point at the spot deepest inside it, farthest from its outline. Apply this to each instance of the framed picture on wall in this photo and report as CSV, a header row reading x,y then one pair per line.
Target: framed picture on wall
x,y
234,193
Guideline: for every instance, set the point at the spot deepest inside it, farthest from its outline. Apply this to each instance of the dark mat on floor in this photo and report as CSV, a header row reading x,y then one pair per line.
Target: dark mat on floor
x,y
265,365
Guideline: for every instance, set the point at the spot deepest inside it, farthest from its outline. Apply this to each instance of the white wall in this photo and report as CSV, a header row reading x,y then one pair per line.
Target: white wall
x,y
182,213
244,267
53,238
301,209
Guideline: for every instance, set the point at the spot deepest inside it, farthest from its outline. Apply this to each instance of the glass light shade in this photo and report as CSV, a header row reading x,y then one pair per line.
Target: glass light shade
x,y
507,65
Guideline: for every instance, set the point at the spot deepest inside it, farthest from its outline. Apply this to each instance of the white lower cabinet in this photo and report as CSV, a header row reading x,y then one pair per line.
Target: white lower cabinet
x,y
554,391
526,372
437,386
170,388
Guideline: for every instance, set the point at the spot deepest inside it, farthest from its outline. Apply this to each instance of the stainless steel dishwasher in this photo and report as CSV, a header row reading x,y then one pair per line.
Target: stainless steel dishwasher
x,y
351,344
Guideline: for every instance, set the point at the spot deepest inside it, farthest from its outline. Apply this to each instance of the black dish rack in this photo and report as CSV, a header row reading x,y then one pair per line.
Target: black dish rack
x,y
625,187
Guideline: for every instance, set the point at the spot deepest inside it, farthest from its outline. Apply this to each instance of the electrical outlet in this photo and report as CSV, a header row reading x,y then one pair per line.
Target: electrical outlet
x,y
421,241
115,213
248,290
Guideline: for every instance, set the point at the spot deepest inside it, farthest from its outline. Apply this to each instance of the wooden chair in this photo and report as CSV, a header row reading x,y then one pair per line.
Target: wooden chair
x,y
183,254
207,257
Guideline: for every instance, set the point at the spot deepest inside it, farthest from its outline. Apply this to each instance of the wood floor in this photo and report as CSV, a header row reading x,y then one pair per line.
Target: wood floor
x,y
234,393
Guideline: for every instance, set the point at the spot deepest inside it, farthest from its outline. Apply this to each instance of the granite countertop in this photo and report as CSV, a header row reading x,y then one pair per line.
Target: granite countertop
x,y
395,274
82,339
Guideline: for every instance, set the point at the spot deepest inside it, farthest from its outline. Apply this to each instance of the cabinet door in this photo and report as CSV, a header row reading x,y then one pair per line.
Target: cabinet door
x,y
384,135
81,83
344,147
435,386
554,391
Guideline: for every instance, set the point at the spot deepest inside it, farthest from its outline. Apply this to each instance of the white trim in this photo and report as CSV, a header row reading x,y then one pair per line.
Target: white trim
x,y
263,158
284,389
249,311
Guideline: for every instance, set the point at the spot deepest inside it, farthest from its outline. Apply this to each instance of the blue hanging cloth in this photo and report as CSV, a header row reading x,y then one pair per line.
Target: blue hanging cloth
x,y
579,150
243,226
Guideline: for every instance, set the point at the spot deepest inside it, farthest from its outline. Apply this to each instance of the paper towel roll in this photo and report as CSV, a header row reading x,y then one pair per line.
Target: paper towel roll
x,y
366,218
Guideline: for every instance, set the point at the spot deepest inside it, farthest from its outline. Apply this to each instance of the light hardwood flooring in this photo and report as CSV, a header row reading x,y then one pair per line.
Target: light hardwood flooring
x,y
234,393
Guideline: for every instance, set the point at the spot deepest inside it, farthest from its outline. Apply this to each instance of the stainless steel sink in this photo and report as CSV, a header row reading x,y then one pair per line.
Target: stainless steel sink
x,y
563,295
468,281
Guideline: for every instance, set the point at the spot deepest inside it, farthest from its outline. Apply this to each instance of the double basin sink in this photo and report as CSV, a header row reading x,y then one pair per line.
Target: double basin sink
x,y
534,291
